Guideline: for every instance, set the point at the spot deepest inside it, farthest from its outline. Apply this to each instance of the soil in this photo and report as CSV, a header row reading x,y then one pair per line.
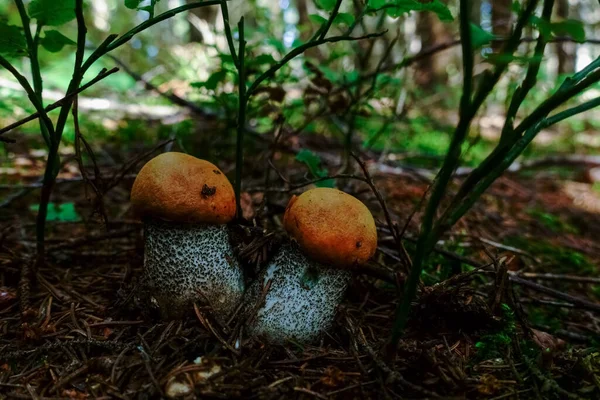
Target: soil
x,y
476,331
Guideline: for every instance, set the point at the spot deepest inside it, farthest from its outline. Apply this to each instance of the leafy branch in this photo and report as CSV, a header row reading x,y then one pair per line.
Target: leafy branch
x,y
512,142
53,14
245,93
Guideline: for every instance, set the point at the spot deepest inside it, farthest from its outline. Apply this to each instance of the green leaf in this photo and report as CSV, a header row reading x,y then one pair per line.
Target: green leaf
x,y
480,37
376,4
316,18
133,4
54,41
344,18
396,8
326,5
313,162
12,41
59,212
52,12
569,27
543,27
263,59
213,81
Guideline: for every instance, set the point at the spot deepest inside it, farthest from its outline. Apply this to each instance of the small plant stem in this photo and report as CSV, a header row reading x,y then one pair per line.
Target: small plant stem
x,y
241,123
103,74
113,41
32,50
334,13
461,208
51,170
30,93
426,242
228,35
530,78
299,50
507,131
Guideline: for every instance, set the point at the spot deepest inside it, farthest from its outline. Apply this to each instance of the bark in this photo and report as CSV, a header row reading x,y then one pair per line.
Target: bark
x,y
565,51
199,20
501,20
432,31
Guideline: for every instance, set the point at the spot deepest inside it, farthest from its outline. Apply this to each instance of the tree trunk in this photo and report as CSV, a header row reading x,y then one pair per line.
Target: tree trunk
x,y
432,31
202,23
501,20
476,12
565,51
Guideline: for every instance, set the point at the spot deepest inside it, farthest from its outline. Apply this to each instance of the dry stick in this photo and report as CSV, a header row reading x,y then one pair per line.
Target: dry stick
x,y
38,184
119,175
79,139
581,303
552,277
209,327
90,239
103,74
388,218
514,277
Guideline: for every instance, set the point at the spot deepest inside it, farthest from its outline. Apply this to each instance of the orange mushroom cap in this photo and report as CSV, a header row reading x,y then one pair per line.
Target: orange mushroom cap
x,y
331,227
180,188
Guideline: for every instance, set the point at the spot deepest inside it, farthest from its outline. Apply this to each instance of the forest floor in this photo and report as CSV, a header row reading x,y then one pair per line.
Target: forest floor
x,y
488,324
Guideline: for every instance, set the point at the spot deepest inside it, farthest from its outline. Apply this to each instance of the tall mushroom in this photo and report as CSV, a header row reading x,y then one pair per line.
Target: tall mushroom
x,y
297,295
185,203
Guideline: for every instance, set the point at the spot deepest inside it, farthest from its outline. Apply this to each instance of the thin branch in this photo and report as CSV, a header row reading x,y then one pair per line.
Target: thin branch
x,y
103,74
228,35
391,226
581,303
299,50
241,122
334,13
30,94
112,42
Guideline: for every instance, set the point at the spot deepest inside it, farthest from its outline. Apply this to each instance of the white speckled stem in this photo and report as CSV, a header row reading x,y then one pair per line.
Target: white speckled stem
x,y
301,301
187,263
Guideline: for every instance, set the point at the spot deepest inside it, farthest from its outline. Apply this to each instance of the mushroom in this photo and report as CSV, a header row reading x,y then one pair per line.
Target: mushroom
x,y
296,296
185,203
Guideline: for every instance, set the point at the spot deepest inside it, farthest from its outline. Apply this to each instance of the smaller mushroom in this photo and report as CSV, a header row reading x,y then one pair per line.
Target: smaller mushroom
x,y
297,294
185,203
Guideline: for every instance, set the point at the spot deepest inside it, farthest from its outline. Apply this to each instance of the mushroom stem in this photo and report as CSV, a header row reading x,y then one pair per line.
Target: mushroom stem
x,y
184,263
300,301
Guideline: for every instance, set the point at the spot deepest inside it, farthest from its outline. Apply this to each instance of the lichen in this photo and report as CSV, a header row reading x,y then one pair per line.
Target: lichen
x,y
293,309
187,263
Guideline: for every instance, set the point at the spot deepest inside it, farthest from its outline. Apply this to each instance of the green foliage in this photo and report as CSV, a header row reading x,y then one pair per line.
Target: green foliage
x,y
213,80
396,8
568,27
64,212
551,221
135,5
494,345
344,18
12,41
480,37
560,259
326,5
313,162
52,12
54,41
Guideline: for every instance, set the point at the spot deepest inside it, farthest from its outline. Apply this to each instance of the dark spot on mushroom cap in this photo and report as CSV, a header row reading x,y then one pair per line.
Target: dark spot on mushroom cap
x,y
358,245
208,191
217,172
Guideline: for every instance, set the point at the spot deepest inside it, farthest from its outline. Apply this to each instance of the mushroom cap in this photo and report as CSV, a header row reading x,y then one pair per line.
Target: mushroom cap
x,y
180,188
331,227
